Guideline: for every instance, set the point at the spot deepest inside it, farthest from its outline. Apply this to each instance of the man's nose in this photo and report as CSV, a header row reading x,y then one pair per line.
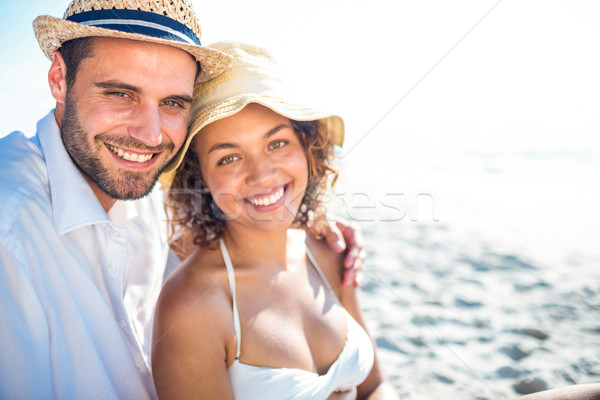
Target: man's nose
x,y
146,125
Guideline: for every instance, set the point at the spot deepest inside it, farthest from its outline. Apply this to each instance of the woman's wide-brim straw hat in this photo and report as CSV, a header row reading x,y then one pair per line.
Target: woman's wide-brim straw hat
x,y
170,22
252,77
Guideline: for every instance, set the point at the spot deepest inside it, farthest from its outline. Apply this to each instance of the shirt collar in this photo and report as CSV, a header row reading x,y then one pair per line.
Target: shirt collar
x,y
74,204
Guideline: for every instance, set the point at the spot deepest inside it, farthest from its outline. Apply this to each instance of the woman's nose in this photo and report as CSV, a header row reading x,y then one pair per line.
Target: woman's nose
x,y
260,169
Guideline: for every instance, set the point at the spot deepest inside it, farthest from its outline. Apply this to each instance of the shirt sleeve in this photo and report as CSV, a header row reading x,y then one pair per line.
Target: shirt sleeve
x,y
24,360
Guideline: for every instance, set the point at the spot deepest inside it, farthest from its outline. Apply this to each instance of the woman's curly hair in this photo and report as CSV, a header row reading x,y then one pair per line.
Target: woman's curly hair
x,y
194,215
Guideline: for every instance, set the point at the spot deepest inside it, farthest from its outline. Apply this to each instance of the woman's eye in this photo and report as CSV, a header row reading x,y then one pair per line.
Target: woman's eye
x,y
228,160
278,144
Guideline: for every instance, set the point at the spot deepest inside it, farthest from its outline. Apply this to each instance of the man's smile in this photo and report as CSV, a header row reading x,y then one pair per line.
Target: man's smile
x,y
130,155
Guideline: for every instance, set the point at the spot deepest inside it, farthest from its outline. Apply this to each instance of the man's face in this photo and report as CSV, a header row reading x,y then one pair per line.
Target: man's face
x,y
126,115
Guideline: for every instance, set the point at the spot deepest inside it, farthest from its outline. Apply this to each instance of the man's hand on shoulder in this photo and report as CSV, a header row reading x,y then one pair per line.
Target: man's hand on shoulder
x,y
346,237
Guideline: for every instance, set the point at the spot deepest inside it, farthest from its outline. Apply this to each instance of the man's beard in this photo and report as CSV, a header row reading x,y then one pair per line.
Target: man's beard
x,y
116,183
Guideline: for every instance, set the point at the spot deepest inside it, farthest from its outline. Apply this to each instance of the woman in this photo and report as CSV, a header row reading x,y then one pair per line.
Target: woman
x,y
258,311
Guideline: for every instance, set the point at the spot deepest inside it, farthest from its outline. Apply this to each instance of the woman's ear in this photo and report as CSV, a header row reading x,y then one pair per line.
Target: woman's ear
x,y
57,78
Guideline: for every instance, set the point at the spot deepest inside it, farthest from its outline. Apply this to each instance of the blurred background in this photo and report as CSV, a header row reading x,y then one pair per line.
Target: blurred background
x,y
471,162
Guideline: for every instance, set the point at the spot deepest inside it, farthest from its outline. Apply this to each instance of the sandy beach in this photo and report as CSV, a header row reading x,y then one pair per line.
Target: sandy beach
x,y
489,302
453,321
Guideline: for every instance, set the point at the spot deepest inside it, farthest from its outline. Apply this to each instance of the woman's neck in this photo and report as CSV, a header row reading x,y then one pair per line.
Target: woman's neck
x,y
251,247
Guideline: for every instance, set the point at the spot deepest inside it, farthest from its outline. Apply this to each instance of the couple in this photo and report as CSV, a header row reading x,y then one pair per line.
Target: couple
x,y
82,269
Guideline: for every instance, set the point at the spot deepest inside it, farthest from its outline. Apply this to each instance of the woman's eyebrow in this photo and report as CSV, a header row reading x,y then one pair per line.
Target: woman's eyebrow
x,y
220,146
227,145
276,129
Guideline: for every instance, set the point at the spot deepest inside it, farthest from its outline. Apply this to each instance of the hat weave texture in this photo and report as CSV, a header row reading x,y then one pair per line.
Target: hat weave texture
x,y
170,22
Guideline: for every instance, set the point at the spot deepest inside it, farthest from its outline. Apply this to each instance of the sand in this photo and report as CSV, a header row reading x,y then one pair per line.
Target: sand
x,y
456,315
492,293
457,321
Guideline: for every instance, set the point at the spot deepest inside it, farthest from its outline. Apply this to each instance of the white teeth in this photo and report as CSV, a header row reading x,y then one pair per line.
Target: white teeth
x,y
130,156
268,200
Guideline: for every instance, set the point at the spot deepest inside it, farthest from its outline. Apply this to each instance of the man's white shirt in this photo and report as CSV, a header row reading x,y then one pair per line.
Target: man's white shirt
x,y
78,287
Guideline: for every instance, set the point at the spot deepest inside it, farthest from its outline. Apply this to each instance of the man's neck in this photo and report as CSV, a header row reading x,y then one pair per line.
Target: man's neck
x,y
105,200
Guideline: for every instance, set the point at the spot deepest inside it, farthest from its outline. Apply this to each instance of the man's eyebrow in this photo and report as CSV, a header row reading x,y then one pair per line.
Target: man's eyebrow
x,y
114,85
182,97
117,85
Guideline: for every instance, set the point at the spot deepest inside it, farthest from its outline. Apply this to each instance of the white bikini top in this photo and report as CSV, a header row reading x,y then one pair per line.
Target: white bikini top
x,y
351,368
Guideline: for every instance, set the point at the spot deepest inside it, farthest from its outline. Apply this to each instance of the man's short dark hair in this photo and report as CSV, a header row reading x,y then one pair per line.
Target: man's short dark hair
x,y
74,52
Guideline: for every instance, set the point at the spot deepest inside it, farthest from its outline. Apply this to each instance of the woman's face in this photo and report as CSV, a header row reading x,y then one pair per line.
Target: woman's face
x,y
254,166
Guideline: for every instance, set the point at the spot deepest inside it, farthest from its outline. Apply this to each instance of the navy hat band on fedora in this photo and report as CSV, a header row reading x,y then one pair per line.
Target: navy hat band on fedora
x,y
136,21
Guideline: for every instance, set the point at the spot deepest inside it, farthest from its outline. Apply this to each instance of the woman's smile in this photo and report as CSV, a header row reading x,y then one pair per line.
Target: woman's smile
x,y
269,200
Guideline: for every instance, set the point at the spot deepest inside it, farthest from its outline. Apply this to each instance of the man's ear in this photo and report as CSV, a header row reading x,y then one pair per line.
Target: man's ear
x,y
57,78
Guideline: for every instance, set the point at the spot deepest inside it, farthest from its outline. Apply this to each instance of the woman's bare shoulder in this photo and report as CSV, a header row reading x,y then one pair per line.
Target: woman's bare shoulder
x,y
198,287
193,331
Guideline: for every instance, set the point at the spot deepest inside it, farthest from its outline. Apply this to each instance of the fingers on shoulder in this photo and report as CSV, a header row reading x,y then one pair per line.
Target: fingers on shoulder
x,y
349,228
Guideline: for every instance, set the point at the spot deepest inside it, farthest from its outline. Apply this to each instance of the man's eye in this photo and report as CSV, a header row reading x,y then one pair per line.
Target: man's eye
x,y
119,94
172,103
228,160
278,144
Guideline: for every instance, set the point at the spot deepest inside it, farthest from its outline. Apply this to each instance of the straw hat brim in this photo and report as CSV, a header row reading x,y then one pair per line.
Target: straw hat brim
x,y
332,124
52,32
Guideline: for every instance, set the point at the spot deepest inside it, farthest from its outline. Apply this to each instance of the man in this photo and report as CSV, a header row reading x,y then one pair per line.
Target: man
x,y
80,267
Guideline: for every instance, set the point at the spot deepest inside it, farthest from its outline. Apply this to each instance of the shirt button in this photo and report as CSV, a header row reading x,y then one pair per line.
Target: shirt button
x,y
112,268
115,234
122,324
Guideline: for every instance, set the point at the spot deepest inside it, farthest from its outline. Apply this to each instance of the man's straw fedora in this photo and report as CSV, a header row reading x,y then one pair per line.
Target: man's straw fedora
x,y
170,22
252,77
